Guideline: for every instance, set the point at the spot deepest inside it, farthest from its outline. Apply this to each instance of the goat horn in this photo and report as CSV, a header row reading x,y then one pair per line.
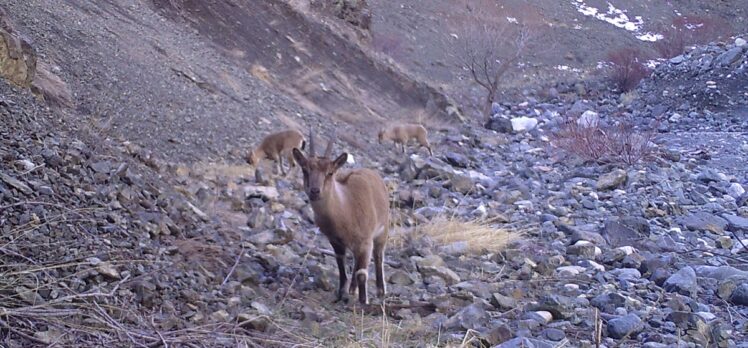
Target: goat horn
x,y
328,150
311,143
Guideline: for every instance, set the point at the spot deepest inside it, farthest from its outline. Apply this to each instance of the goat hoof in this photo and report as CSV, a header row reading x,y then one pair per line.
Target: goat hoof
x,y
343,299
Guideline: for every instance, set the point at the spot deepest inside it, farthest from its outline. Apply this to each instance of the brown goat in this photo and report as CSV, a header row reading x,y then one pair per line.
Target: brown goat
x,y
352,210
276,146
401,134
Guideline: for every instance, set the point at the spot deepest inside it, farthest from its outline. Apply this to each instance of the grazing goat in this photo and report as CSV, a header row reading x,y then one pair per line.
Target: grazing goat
x,y
401,134
276,146
352,209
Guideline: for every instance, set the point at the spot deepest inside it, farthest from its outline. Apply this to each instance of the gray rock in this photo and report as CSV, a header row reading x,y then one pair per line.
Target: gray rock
x,y
736,223
553,334
400,277
457,160
561,307
608,302
503,302
449,276
524,342
15,183
720,273
577,233
730,57
626,273
499,124
625,231
498,335
682,282
472,317
625,326
495,108
677,59
611,180
461,184
703,221
735,190
740,295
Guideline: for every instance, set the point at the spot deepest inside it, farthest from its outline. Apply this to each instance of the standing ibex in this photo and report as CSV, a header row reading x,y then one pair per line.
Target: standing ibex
x,y
352,209
276,146
401,134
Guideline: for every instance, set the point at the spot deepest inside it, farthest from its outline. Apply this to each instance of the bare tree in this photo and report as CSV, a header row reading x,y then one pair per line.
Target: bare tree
x,y
488,51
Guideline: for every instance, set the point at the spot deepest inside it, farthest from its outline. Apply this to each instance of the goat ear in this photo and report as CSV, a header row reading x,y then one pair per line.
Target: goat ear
x,y
299,157
340,161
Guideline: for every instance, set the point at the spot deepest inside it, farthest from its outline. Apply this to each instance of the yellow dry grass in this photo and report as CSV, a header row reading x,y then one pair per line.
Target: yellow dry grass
x,y
480,235
260,72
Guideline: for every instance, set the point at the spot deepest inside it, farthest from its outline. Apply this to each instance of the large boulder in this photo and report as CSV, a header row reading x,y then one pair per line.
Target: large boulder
x,y
355,12
17,57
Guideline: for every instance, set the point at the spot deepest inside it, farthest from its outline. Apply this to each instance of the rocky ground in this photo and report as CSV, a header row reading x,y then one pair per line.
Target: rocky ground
x,y
106,244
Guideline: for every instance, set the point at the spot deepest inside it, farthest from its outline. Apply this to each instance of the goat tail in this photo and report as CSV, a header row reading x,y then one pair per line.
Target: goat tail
x,y
303,145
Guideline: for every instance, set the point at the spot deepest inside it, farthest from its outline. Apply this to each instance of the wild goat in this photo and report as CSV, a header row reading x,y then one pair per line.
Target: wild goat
x,y
401,134
352,209
276,146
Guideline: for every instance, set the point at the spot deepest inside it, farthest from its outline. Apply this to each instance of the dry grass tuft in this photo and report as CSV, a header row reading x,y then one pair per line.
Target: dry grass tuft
x,y
260,72
479,235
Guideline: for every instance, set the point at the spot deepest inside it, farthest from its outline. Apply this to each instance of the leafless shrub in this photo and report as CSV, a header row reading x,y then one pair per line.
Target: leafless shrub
x,y
619,143
689,30
627,68
488,51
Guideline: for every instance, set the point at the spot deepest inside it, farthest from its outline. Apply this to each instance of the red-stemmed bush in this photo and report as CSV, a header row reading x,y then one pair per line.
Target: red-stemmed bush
x,y
627,68
689,30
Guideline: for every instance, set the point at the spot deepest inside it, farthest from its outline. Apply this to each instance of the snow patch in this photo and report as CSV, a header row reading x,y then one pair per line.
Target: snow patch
x,y
618,18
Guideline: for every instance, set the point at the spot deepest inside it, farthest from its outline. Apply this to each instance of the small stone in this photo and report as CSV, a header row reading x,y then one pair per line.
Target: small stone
x,y
682,282
15,183
569,271
254,322
503,302
611,180
740,295
736,223
499,124
400,277
626,326
589,119
461,184
582,249
608,302
449,276
220,316
523,124
553,334
472,317
703,221
198,212
108,270
740,42
626,273
542,317
735,190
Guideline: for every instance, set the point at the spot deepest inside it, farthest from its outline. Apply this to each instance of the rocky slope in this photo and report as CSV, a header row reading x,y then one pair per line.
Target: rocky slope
x,y
105,244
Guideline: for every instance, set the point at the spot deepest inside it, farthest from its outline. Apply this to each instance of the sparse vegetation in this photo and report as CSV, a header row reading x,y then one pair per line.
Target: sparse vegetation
x,y
489,51
627,68
689,30
620,143
479,235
